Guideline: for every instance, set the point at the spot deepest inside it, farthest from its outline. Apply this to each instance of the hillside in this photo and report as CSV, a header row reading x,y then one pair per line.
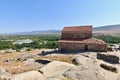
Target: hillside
x,y
101,29
41,32
107,29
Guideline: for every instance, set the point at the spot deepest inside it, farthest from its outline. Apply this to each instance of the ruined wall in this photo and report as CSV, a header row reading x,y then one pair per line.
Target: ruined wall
x,y
74,46
108,58
70,46
97,47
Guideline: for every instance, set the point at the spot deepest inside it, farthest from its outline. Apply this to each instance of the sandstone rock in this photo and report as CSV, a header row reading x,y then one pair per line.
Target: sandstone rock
x,y
118,77
89,55
32,75
28,55
54,68
23,57
88,68
53,79
4,74
108,67
83,73
10,60
109,58
2,69
31,63
79,60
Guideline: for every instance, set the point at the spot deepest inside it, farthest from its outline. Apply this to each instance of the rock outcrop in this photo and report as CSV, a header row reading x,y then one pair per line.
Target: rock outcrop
x,y
31,63
109,58
83,73
4,74
32,75
86,66
55,68
108,67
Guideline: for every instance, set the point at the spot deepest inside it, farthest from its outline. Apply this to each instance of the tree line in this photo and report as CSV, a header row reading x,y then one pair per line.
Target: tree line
x,y
46,41
109,39
40,41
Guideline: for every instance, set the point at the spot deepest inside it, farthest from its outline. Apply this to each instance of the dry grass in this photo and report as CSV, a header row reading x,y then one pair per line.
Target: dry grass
x,y
13,67
16,67
3,78
67,79
65,58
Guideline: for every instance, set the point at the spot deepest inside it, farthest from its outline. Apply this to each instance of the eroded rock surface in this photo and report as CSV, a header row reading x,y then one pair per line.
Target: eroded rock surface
x,y
31,63
55,67
85,66
109,58
32,75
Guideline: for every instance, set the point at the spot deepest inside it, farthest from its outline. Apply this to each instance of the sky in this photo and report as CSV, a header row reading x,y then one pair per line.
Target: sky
x,y
35,15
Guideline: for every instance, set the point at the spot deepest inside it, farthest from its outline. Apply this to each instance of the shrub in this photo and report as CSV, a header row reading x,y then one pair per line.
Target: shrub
x,y
29,49
18,50
8,52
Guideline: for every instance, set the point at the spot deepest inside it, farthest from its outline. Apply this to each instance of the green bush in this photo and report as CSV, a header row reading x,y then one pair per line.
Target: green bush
x,y
29,49
40,41
109,39
18,50
8,52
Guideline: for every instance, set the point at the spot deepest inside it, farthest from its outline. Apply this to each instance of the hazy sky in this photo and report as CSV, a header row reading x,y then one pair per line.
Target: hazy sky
x,y
30,15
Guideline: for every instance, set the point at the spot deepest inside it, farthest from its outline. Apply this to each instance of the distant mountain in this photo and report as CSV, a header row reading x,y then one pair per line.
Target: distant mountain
x,y
40,32
107,29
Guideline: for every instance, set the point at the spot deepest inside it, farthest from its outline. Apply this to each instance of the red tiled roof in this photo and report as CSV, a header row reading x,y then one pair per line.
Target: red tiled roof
x,y
78,28
89,41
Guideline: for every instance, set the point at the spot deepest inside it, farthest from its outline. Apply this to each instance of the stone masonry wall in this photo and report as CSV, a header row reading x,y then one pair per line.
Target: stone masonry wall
x,y
76,35
81,47
70,46
97,47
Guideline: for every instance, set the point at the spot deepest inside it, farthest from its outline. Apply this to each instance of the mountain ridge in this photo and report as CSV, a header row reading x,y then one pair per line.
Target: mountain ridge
x,y
101,29
107,29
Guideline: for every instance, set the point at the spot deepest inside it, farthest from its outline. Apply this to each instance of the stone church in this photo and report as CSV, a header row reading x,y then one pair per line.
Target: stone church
x,y
79,38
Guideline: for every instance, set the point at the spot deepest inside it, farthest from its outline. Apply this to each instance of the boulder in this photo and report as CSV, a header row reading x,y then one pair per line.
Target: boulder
x,y
80,60
88,68
83,73
32,75
32,63
54,68
25,56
